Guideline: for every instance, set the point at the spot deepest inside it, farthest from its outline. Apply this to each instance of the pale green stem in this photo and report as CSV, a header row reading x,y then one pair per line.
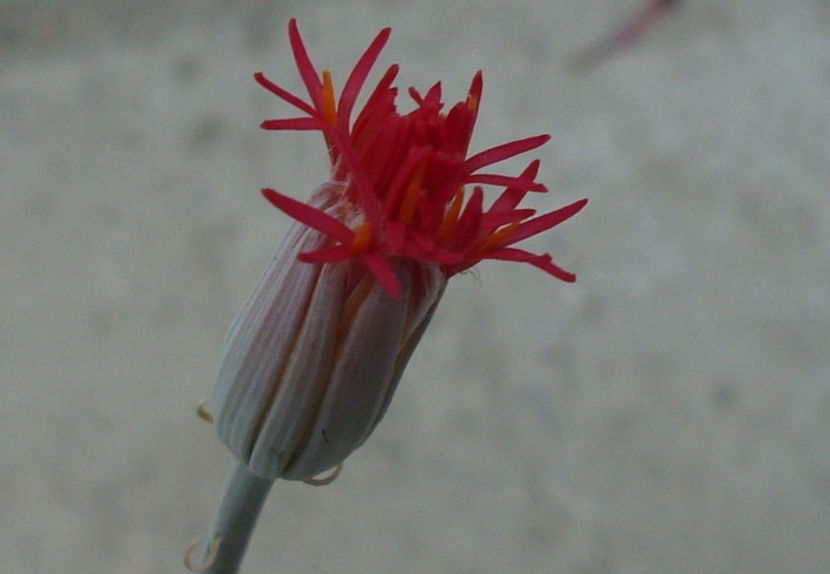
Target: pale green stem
x,y
234,522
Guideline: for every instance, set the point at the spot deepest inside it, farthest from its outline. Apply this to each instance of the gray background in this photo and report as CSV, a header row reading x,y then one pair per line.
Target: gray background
x,y
670,412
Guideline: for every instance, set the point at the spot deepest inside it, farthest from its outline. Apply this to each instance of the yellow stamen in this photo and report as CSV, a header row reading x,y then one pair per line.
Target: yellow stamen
x,y
496,237
451,217
410,197
362,238
329,109
472,102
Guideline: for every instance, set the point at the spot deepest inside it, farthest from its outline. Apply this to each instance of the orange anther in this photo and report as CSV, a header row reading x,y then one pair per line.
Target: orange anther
x,y
451,217
362,238
410,196
472,102
496,237
329,109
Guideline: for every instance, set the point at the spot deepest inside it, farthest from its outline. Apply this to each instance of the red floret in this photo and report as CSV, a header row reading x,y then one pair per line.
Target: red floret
x,y
405,175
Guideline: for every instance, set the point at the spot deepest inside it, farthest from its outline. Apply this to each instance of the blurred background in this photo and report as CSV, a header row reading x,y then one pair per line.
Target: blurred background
x,y
669,412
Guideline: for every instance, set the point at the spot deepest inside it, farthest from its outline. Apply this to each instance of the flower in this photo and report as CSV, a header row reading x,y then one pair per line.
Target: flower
x,y
404,176
311,361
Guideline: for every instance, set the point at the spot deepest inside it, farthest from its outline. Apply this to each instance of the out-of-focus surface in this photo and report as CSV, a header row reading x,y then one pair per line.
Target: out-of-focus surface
x,y
670,412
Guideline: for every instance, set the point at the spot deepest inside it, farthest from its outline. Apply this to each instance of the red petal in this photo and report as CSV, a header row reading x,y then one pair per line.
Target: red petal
x,y
307,72
395,235
468,224
502,152
424,248
505,180
366,192
544,222
490,220
403,174
314,218
358,76
433,96
543,262
284,94
474,98
383,90
384,273
512,196
297,124
475,88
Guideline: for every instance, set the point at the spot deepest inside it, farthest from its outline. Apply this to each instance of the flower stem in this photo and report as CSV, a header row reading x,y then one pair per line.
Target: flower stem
x,y
223,549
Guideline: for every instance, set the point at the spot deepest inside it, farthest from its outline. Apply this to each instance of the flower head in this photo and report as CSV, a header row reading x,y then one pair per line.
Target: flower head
x,y
405,177
312,360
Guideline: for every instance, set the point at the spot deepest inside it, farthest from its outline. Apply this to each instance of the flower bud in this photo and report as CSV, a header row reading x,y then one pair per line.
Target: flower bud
x,y
312,360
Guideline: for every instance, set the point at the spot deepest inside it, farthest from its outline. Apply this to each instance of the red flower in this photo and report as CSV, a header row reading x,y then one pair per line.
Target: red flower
x,y
403,178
